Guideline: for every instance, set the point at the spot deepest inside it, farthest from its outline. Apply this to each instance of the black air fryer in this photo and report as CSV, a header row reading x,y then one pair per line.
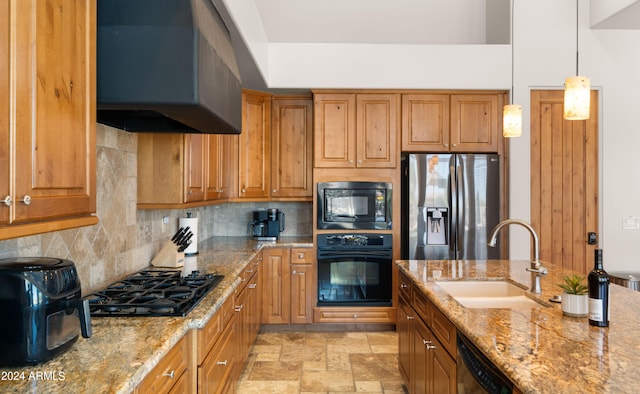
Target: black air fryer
x,y
42,309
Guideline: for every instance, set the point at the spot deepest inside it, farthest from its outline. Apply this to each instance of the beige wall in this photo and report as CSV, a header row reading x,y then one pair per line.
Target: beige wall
x,y
125,239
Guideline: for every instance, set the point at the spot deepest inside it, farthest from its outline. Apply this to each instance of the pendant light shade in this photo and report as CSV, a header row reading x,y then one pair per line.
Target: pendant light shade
x,y
512,121
577,90
577,98
512,113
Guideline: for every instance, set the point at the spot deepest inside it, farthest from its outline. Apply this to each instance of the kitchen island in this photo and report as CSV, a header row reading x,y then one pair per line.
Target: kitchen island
x,y
123,350
539,349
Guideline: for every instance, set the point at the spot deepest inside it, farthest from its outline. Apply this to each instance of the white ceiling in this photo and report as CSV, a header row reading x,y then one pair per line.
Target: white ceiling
x,y
380,21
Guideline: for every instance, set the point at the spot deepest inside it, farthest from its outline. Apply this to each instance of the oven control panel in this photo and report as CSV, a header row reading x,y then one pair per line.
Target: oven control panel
x,y
354,241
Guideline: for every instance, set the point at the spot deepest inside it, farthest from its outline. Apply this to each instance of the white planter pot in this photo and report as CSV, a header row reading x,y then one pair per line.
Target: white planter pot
x,y
575,305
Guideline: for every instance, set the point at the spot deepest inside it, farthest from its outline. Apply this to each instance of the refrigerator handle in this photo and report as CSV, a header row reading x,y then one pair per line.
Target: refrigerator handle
x,y
462,214
453,217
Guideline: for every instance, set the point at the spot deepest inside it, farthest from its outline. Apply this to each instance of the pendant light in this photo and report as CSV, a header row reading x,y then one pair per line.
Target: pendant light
x,y
577,89
512,113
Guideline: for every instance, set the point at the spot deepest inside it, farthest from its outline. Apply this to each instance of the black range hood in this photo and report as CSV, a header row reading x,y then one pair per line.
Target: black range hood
x,y
166,66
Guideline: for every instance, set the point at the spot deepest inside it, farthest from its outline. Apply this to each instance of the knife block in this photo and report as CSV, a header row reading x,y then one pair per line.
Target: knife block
x,y
168,256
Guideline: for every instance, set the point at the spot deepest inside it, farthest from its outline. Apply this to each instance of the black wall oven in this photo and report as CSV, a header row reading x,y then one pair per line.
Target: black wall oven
x,y
354,269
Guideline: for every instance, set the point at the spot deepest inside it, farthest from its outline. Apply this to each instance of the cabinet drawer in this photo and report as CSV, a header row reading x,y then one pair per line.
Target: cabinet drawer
x,y
209,335
216,371
352,315
404,287
169,370
422,307
444,330
302,255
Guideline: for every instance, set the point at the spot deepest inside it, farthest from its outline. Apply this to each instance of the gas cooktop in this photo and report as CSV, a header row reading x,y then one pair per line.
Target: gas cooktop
x,y
153,293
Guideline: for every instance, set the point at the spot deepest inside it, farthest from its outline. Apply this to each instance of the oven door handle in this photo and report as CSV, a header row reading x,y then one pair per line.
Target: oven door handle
x,y
350,254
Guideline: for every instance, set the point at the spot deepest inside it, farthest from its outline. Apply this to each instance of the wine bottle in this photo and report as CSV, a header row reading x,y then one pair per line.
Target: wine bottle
x,y
598,281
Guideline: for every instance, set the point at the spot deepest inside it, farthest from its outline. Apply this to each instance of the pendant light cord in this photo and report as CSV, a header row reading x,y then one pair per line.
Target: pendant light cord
x,y
513,3
577,35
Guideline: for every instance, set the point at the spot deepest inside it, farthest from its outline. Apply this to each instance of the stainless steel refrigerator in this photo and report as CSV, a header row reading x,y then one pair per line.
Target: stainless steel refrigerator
x,y
450,204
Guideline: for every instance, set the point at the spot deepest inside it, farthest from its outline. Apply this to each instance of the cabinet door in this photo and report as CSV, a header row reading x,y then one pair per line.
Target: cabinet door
x,y
444,377
301,290
422,362
220,163
4,109
217,370
291,147
425,123
475,121
254,150
334,128
406,315
276,286
194,169
55,100
377,128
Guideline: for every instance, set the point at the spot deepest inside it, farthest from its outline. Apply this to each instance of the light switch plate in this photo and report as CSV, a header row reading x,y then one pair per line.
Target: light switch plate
x,y
631,223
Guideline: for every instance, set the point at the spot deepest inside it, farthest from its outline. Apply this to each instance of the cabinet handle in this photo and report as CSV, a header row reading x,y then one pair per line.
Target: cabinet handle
x,y
243,190
404,286
239,308
454,145
301,256
446,145
221,362
170,375
294,272
26,200
249,271
350,161
355,315
7,201
253,285
410,317
429,347
190,192
274,190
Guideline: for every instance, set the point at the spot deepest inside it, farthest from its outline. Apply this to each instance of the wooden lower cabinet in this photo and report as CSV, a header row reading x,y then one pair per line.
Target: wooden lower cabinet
x,y
426,364
247,310
173,372
288,285
216,351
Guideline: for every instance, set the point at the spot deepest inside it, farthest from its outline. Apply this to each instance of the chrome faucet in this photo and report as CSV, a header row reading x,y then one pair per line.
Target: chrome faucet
x,y
536,269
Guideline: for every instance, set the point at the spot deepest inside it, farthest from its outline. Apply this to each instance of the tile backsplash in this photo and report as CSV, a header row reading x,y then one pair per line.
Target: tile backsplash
x,y
125,238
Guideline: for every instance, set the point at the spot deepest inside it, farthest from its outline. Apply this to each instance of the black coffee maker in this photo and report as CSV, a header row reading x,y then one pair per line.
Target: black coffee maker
x,y
267,224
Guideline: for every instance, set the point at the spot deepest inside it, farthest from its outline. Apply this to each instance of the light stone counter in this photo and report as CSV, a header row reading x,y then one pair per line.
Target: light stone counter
x,y
123,350
539,349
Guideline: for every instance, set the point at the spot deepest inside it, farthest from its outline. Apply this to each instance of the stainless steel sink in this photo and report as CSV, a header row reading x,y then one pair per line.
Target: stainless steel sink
x,y
488,294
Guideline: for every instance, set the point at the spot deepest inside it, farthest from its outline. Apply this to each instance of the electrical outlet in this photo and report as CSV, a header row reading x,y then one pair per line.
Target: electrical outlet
x,y
630,223
165,220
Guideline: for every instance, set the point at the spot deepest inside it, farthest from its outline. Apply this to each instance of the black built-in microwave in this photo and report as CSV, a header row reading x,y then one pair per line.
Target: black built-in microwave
x,y
354,205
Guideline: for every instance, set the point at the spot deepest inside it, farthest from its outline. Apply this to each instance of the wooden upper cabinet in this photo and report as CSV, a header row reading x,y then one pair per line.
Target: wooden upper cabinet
x,y
451,122
377,130
194,170
356,130
51,46
334,128
425,122
475,122
221,164
291,147
4,109
254,152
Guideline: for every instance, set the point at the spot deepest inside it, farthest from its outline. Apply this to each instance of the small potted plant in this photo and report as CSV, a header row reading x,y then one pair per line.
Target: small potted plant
x,y
575,298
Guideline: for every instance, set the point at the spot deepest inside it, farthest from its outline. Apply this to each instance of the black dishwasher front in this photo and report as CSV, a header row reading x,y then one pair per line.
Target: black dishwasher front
x,y
476,374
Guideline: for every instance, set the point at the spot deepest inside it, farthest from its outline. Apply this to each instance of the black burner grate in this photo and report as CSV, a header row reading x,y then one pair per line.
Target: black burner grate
x,y
153,293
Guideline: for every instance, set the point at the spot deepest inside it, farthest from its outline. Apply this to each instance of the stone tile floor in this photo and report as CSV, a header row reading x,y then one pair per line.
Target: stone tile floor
x,y
322,362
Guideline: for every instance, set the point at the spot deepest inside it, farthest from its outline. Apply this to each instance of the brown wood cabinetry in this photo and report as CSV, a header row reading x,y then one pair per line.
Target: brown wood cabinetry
x,y
247,309
254,152
291,147
452,122
288,283
216,358
47,116
173,372
426,343
193,168
356,130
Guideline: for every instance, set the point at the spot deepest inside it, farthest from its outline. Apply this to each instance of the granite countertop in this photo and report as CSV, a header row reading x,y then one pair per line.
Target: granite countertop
x,y
538,348
122,351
